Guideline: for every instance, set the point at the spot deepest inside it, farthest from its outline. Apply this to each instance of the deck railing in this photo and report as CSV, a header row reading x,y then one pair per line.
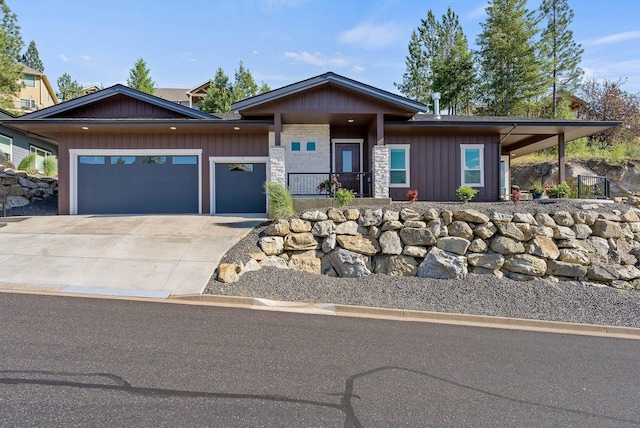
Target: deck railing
x,y
325,184
593,187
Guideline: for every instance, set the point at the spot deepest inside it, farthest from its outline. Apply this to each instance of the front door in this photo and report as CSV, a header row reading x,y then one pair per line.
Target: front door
x,y
347,162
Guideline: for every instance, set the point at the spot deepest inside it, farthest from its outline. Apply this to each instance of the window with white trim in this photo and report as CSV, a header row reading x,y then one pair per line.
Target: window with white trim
x,y
6,144
472,165
399,165
29,81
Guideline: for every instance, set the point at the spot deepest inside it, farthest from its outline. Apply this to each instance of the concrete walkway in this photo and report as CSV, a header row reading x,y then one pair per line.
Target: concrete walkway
x,y
144,256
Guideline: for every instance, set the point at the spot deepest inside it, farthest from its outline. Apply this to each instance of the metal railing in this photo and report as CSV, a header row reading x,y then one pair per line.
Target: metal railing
x,y
593,187
325,184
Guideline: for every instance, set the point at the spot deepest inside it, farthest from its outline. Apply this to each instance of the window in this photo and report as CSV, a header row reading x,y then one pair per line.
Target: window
x,y
5,146
243,167
123,160
472,168
154,160
91,160
311,146
184,160
399,165
29,104
29,81
295,146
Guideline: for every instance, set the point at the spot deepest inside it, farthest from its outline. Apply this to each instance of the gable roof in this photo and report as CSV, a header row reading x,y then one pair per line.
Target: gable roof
x,y
114,90
330,78
32,72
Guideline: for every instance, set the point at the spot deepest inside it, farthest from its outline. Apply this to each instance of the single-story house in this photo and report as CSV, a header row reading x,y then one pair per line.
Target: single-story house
x,y
16,144
123,152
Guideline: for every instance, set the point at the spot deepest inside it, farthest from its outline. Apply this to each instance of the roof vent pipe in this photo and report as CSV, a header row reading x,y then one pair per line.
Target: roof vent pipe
x,y
436,105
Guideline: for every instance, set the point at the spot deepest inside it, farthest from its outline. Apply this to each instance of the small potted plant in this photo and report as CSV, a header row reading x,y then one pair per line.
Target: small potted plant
x,y
329,186
537,189
561,190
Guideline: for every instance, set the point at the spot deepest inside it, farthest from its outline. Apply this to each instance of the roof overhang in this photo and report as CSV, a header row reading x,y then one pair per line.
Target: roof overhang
x,y
518,137
53,128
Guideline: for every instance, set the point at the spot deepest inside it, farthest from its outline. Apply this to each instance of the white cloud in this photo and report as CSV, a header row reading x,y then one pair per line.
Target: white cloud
x,y
372,36
614,38
477,13
255,52
86,57
63,57
357,69
316,59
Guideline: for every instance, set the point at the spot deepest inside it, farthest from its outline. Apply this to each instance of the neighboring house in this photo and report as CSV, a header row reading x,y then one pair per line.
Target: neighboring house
x,y
175,95
16,144
35,92
123,151
91,89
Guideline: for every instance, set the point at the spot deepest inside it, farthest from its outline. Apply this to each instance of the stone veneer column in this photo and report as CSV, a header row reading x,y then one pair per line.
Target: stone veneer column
x,y
380,171
277,166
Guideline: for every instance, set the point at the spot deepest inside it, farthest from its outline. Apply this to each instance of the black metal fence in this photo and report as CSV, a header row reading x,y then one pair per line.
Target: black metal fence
x,y
593,187
325,184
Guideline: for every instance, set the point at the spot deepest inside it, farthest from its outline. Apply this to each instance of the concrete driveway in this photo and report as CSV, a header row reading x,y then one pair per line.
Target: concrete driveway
x,y
146,256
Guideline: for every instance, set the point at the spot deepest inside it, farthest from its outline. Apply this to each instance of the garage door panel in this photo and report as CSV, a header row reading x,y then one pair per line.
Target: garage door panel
x,y
137,187
239,188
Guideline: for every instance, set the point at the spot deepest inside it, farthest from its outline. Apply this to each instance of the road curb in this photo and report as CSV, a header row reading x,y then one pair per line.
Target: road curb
x,y
419,316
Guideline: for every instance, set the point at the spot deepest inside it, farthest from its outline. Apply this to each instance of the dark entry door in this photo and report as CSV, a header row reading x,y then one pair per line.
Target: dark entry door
x,y
347,157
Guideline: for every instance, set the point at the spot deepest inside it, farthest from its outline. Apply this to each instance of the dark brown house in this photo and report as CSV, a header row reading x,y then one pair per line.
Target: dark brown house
x,y
124,152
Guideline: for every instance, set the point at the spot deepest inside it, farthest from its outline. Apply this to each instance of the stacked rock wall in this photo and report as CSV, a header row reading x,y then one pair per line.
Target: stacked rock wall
x,y
584,245
22,188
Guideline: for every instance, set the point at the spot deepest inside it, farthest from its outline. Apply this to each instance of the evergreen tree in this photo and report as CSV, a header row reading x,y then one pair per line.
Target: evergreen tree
x,y
10,47
68,89
31,58
511,77
222,93
140,79
439,61
218,97
560,52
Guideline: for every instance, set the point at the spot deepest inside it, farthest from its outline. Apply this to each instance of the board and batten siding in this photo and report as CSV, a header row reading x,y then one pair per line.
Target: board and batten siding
x,y
218,145
435,166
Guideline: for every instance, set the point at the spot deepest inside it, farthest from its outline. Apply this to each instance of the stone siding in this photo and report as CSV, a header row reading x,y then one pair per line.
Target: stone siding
x,y
597,248
381,174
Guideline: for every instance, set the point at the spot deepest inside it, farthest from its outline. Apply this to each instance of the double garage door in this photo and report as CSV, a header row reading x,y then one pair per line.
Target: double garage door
x,y
164,184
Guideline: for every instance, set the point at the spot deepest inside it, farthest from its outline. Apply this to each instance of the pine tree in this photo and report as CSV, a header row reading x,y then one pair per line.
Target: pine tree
x,y
218,97
68,89
222,93
140,79
560,52
439,60
10,47
31,58
511,77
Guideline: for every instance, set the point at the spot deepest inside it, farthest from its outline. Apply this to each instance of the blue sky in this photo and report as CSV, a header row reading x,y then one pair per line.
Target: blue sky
x,y
283,41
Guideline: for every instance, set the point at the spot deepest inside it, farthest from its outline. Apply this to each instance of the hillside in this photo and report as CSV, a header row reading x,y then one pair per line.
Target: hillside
x,y
624,176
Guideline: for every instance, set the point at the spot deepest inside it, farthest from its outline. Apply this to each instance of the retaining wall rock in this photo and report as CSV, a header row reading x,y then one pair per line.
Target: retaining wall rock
x,y
584,245
21,188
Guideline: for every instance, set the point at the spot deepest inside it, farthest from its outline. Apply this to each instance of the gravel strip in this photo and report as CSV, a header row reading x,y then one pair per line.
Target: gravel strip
x,y
568,301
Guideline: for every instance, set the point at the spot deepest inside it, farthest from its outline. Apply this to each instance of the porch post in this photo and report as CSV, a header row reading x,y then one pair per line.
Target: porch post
x,y
277,127
380,171
277,167
561,164
380,130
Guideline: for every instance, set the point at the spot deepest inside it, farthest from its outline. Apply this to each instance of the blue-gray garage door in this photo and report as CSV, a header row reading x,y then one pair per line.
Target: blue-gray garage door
x,y
239,188
138,185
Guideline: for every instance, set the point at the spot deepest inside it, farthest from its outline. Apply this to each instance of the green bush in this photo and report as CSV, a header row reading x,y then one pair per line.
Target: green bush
x,y
50,166
344,196
562,190
280,202
28,164
466,193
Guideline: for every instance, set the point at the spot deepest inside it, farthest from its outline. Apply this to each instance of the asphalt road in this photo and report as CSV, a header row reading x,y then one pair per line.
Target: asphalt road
x,y
90,362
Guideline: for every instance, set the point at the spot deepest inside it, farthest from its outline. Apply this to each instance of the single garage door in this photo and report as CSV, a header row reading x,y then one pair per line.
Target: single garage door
x,y
239,188
138,184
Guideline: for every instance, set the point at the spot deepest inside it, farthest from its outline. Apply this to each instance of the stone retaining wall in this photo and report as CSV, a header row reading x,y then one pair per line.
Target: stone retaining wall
x,y
22,188
584,245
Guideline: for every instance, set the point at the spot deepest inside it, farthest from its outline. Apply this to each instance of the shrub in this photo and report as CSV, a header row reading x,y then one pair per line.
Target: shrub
x,y
412,195
562,190
344,196
330,185
28,164
50,166
280,202
466,193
